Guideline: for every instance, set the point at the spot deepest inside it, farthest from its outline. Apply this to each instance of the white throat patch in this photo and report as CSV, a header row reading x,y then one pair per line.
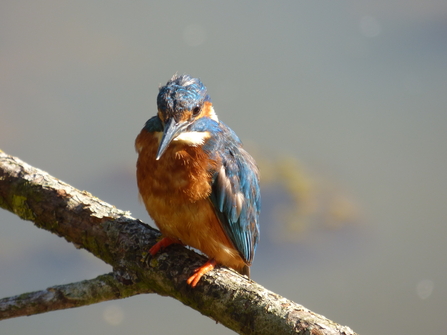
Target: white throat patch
x,y
193,138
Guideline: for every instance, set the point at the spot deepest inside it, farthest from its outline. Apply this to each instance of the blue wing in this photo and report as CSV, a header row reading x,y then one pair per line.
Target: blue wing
x,y
236,194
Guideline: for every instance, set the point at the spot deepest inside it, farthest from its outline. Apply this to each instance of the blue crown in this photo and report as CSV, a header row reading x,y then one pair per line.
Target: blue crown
x,y
181,93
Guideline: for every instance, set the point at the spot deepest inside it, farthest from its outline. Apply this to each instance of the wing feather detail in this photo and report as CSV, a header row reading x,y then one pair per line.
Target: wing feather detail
x,y
236,195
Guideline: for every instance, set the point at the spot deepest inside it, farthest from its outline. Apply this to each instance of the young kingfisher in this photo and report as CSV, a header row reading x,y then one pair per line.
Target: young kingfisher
x,y
198,184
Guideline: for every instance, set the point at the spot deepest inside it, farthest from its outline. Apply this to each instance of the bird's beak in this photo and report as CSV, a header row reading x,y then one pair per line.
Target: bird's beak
x,y
172,129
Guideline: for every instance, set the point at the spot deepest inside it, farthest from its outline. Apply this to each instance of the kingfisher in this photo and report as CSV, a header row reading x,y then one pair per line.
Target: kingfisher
x,y
197,182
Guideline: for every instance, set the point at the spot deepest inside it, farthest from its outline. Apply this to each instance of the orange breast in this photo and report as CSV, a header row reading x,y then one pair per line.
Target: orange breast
x,y
175,191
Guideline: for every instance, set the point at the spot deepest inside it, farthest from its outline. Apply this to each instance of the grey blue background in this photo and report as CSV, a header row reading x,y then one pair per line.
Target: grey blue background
x,y
356,91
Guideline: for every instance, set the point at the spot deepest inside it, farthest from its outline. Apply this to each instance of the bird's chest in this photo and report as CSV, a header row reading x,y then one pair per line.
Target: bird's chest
x,y
182,175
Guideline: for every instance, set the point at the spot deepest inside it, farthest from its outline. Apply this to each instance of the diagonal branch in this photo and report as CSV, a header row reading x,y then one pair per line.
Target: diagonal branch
x,y
86,292
122,241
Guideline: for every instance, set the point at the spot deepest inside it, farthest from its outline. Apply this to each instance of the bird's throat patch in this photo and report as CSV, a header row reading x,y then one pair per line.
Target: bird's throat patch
x,y
193,138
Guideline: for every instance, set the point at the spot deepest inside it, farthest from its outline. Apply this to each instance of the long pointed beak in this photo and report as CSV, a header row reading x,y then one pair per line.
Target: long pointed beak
x,y
172,129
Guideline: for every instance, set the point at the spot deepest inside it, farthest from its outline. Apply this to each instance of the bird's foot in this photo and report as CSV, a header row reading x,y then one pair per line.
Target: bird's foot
x,y
163,243
199,272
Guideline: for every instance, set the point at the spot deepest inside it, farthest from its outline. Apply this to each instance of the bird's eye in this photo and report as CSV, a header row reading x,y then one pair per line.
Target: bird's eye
x,y
196,111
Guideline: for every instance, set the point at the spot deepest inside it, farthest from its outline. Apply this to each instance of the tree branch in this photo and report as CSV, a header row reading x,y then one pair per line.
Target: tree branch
x,y
122,241
86,292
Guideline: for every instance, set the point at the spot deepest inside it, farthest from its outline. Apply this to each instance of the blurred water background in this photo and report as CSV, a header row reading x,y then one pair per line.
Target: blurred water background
x,y
343,104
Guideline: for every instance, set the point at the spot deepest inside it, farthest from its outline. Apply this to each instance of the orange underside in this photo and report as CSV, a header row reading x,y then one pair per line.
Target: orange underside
x,y
175,190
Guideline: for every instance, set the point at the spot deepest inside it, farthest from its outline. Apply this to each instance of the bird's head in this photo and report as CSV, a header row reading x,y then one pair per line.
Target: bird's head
x,y
181,102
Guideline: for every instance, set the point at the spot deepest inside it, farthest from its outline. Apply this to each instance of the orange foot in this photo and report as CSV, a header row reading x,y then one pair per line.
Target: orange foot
x,y
199,272
163,243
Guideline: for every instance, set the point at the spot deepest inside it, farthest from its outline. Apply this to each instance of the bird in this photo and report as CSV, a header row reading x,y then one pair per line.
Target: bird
x,y
197,182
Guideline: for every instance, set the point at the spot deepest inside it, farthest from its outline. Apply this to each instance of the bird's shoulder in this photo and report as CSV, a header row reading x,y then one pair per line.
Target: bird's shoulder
x,y
220,138
154,124
147,139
